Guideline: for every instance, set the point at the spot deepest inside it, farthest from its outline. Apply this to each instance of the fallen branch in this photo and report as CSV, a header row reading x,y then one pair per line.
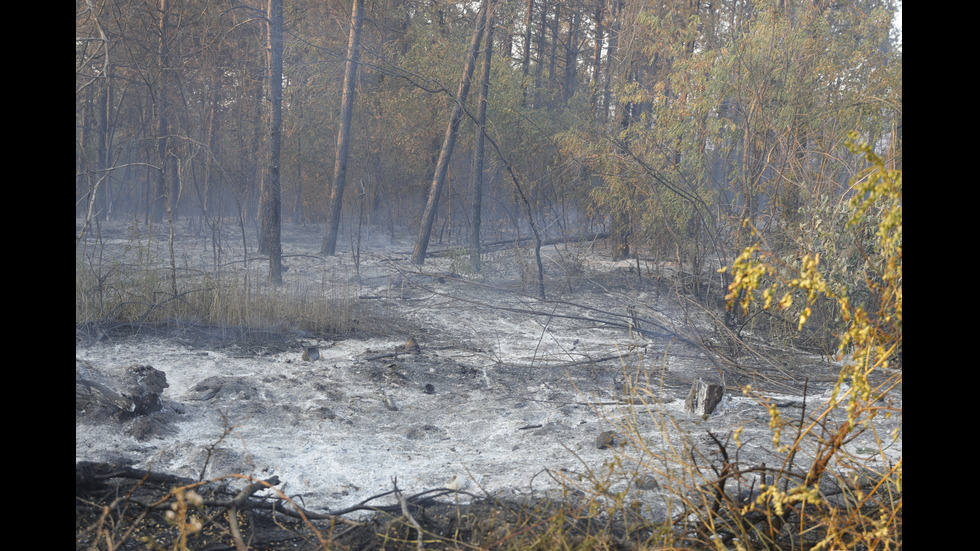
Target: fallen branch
x,y
238,502
408,514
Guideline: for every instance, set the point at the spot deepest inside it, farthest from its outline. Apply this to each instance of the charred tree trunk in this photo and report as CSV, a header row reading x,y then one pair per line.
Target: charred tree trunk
x,y
478,159
343,135
526,57
621,234
541,41
553,55
212,141
449,142
615,9
102,147
160,113
298,208
621,223
271,197
597,56
571,58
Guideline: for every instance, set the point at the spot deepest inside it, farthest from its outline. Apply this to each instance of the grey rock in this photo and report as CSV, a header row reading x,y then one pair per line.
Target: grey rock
x,y
607,439
311,354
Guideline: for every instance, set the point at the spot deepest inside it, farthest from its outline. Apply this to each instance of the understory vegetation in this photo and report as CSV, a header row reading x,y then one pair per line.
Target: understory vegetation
x,y
143,283
754,147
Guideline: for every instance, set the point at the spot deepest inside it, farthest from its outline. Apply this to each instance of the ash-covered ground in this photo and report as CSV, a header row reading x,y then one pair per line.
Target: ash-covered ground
x,y
505,394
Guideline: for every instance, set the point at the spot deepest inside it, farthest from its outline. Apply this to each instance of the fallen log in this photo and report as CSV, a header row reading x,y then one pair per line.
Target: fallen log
x,y
529,239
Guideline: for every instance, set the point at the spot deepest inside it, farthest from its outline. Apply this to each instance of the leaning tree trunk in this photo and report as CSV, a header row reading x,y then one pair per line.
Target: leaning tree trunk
x,y
329,246
449,142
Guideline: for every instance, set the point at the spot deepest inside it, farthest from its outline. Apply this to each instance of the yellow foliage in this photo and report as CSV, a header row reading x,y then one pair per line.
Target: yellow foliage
x,y
871,337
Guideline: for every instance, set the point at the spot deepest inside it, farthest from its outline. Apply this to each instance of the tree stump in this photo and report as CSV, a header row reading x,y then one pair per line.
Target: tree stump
x,y
703,398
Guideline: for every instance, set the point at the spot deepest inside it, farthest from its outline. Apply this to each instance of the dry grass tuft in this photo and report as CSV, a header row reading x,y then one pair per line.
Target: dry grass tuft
x,y
136,287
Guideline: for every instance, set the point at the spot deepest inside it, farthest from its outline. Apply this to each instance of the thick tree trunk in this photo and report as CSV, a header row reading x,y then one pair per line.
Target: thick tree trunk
x,y
343,135
271,197
449,142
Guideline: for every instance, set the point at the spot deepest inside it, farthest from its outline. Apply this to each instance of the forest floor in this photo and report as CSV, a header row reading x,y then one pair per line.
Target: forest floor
x,y
497,404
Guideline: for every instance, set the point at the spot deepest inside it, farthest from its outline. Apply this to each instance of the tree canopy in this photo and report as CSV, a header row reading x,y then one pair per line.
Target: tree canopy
x,y
673,125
